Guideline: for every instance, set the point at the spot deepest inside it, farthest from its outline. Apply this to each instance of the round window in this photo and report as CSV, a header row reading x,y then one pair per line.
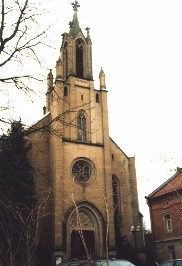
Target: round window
x,y
82,171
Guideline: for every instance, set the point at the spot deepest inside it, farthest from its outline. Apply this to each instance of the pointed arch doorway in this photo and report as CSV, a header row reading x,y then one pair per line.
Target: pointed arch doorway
x,y
85,232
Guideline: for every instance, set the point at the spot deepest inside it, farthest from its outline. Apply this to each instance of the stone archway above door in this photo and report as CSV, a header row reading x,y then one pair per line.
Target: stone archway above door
x,y
86,220
81,219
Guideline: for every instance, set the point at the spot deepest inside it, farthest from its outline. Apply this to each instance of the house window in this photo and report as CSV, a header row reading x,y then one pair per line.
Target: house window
x,y
97,98
168,222
81,126
65,91
82,97
172,252
113,157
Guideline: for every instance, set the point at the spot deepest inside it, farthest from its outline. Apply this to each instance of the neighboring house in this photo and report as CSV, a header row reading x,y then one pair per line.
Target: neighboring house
x,y
93,181
165,204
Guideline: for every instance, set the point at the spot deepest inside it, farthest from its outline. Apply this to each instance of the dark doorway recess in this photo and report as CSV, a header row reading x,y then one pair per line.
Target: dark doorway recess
x,y
77,246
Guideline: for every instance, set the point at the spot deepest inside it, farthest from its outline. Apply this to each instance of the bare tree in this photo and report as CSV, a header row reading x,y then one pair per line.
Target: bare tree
x,y
23,35
20,230
20,34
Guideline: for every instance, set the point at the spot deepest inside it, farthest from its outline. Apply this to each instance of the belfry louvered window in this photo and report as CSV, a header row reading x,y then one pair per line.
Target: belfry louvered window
x,y
66,58
81,125
79,58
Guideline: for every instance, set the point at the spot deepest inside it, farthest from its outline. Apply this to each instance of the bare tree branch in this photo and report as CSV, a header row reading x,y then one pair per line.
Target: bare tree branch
x,y
20,36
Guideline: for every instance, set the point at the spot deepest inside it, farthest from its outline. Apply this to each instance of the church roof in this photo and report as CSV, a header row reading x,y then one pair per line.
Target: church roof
x,y
74,25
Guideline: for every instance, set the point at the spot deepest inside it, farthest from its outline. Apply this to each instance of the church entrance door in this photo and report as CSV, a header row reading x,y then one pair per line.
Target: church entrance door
x,y
78,249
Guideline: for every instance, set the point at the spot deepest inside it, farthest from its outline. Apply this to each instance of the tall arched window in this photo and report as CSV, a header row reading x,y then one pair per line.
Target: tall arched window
x,y
81,126
79,58
117,209
116,196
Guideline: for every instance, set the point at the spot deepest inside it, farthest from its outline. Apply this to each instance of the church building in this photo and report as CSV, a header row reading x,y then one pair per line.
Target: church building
x,y
93,201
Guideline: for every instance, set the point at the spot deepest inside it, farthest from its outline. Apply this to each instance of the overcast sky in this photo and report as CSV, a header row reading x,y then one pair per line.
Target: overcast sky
x,y
139,46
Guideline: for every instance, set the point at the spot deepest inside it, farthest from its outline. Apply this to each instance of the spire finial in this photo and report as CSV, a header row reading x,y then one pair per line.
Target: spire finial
x,y
87,29
102,79
75,5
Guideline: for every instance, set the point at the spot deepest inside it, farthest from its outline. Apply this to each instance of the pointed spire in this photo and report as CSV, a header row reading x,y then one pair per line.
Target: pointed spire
x,y
59,69
102,79
88,34
74,24
49,81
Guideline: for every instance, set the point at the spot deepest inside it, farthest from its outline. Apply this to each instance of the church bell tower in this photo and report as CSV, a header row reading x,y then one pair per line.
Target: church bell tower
x,y
76,51
73,95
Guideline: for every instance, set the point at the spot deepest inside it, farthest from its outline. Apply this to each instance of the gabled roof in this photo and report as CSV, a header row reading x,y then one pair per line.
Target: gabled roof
x,y
174,183
118,147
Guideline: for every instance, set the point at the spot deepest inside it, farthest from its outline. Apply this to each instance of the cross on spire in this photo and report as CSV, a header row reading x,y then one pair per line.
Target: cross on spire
x,y
87,29
70,24
75,5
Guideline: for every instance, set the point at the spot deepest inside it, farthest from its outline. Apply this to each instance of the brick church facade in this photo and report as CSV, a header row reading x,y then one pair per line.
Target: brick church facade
x,y
94,199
